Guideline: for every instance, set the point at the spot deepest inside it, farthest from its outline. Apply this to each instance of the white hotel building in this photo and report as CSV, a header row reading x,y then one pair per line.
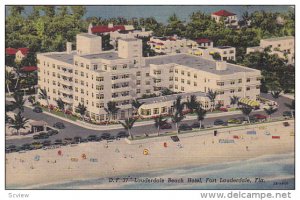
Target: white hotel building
x,y
93,77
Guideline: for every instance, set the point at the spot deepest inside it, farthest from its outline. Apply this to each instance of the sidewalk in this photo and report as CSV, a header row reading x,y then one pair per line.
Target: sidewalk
x,y
143,123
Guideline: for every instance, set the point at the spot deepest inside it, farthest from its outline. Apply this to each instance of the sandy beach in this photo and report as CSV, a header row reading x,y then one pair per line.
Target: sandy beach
x,y
104,160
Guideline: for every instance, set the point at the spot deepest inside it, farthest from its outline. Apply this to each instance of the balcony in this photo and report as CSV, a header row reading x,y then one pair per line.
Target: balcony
x,y
66,91
65,73
121,80
67,99
66,82
121,98
121,89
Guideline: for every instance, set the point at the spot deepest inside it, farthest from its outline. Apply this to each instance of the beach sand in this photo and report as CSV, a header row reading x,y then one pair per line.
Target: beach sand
x,y
119,158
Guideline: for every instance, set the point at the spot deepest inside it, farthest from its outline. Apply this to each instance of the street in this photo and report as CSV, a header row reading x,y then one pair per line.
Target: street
x,y
72,130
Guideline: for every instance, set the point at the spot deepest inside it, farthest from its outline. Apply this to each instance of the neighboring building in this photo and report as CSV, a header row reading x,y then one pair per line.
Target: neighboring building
x,y
93,77
168,45
226,52
230,19
21,53
284,47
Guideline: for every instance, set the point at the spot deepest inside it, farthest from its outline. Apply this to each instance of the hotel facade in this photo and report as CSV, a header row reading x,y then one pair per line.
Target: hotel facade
x,y
94,77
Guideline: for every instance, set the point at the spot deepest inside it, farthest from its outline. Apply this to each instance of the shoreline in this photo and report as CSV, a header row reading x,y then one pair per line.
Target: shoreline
x,y
196,151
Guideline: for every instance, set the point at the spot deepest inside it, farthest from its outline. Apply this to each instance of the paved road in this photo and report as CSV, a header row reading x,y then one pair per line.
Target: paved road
x,y
72,130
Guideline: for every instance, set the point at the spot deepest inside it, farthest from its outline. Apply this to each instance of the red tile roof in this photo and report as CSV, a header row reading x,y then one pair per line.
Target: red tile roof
x,y
223,13
105,29
24,50
11,51
203,40
160,43
29,68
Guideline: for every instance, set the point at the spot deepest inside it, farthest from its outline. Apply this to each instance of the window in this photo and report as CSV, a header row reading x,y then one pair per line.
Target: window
x,y
176,71
87,75
53,65
138,82
176,86
82,100
81,64
182,88
95,67
182,80
189,74
99,78
171,78
53,82
138,73
148,91
170,86
240,80
188,82
101,96
155,111
182,72
257,87
248,88
124,66
248,79
138,91
231,91
147,74
240,89
220,83
82,91
195,83
99,87
147,82
82,82
114,68
76,98
232,82
81,73
176,78
76,63
54,91
171,71
76,72
87,67
195,75
258,78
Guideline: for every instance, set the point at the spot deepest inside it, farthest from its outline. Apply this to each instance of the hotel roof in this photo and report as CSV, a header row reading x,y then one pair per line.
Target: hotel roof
x,y
223,13
104,55
196,62
61,56
171,97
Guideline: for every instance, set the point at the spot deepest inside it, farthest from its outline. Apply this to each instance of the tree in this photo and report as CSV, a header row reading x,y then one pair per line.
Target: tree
x,y
212,96
177,117
216,56
158,122
9,76
128,125
81,109
234,100
246,110
61,105
178,105
192,103
18,122
200,114
136,105
43,95
48,10
271,110
16,10
291,106
78,11
111,109
18,102
32,100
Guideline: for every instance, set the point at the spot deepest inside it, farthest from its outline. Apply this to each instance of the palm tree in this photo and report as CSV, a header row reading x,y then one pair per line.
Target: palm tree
x,y
128,125
43,95
178,105
18,122
158,122
31,99
177,117
234,100
270,111
61,105
81,109
291,106
200,115
275,94
192,103
9,76
246,110
212,96
136,105
18,102
111,109
17,69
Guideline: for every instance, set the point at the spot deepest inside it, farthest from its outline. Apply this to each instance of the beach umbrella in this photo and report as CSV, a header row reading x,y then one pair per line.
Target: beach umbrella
x,y
146,152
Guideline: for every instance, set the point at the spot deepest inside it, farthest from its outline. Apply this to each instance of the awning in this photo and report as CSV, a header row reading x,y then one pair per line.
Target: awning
x,y
249,102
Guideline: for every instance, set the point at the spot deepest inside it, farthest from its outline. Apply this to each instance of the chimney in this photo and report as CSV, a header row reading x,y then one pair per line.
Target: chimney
x,y
110,25
69,47
221,65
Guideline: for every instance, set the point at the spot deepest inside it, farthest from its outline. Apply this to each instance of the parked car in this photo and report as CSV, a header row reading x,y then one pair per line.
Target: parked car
x,y
52,132
260,117
58,142
10,149
166,126
77,139
234,121
241,119
42,135
122,134
36,145
59,125
223,109
197,125
37,109
92,138
185,127
26,147
105,136
46,143
287,114
218,122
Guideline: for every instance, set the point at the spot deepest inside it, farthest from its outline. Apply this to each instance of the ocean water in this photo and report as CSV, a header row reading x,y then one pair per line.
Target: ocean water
x,y
162,13
276,170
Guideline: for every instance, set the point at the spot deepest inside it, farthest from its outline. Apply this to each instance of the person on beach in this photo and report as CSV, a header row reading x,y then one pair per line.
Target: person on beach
x,y
247,148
